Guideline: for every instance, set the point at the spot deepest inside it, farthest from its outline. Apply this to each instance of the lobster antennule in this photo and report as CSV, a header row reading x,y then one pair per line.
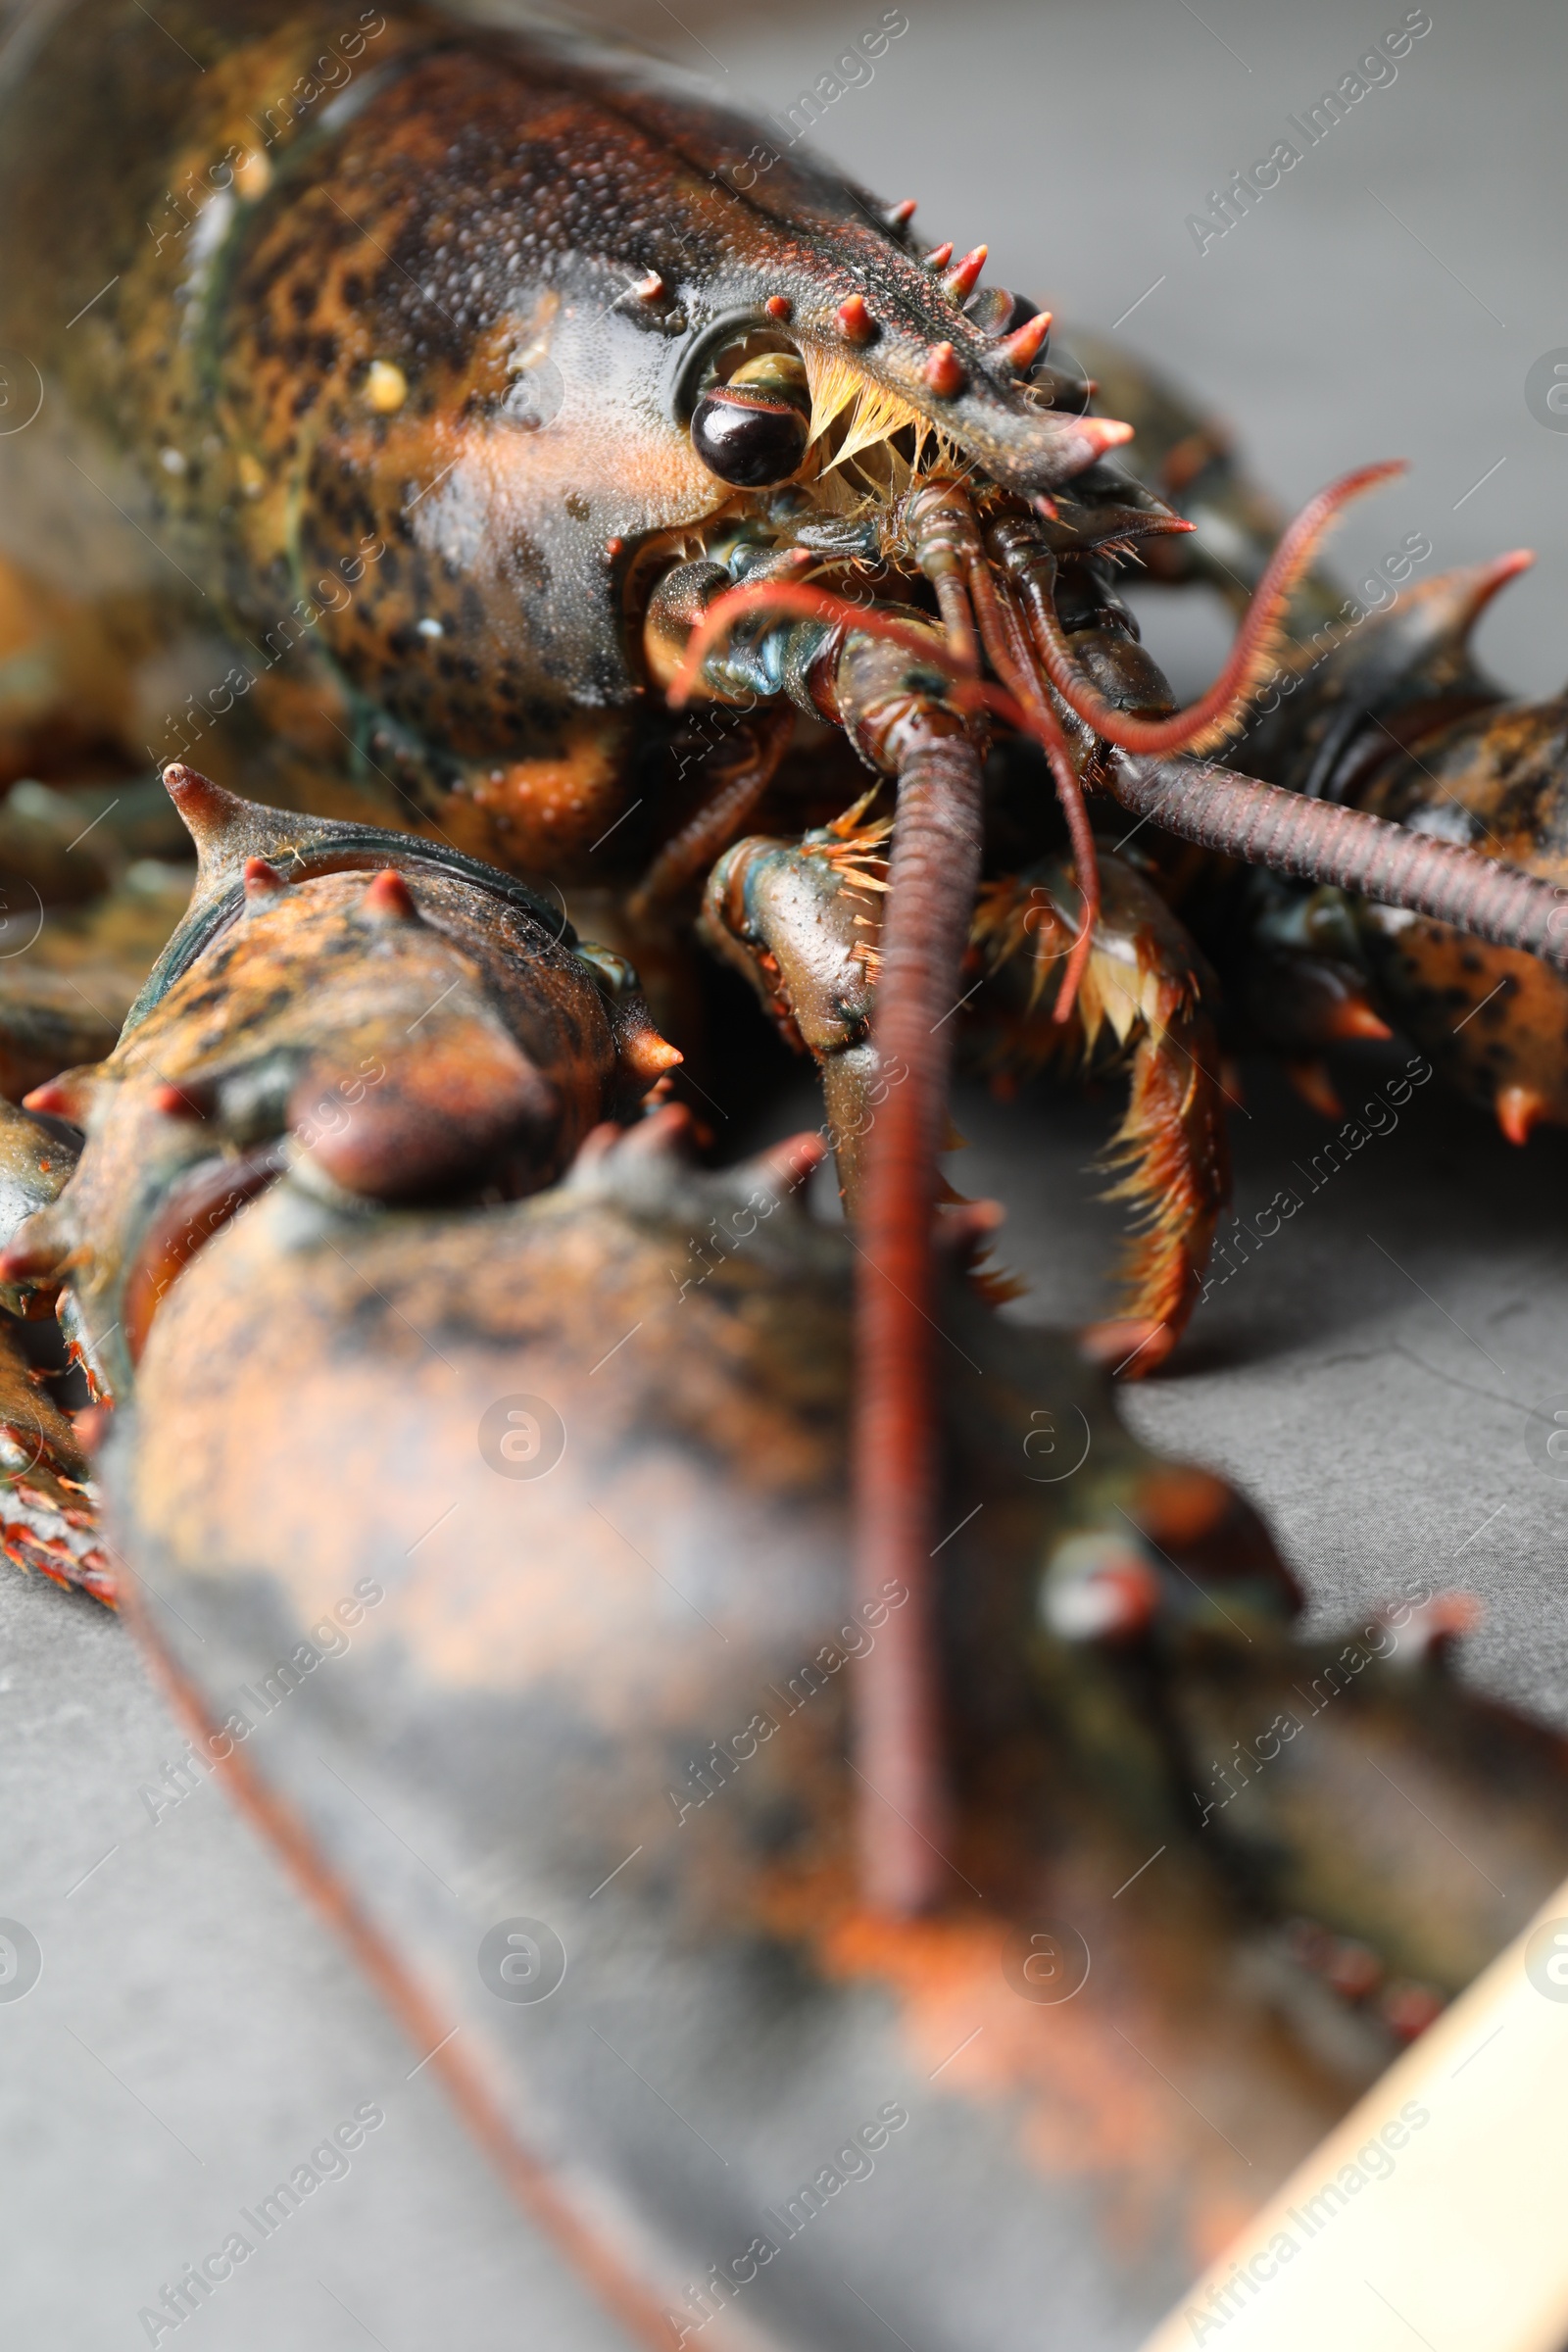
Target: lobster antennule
x,y
1204,723
1005,643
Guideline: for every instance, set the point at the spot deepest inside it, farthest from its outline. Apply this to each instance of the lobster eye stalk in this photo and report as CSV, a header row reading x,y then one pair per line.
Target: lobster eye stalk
x,y
752,431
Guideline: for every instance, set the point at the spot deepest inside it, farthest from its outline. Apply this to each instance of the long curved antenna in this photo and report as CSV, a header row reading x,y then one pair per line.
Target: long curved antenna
x,y
1320,842
933,875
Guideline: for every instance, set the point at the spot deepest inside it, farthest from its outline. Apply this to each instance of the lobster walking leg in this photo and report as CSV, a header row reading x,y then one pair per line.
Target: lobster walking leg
x,y
1145,1008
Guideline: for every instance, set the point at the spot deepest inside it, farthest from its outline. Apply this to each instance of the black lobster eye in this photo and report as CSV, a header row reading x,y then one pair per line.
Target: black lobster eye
x,y
749,435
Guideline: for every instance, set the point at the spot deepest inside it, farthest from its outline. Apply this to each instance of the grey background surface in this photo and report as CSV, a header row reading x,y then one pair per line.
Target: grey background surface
x,y
195,2032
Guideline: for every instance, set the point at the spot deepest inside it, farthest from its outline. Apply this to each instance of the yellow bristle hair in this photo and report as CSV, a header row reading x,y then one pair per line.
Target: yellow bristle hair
x,y
834,383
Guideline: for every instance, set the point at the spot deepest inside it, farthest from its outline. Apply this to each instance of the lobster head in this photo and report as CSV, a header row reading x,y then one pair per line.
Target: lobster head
x,y
509,330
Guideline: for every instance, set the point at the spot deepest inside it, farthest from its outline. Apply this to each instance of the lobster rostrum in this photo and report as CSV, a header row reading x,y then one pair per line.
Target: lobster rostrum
x,y
473,350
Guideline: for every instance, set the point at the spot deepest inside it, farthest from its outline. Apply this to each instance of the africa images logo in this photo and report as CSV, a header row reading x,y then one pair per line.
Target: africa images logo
x,y
1546,1959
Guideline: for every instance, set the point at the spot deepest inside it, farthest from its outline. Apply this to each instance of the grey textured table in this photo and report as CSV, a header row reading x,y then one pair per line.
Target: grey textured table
x,y
195,2033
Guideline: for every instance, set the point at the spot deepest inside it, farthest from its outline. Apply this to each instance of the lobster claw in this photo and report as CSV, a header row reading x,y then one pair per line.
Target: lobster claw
x,y
551,1711
462,1106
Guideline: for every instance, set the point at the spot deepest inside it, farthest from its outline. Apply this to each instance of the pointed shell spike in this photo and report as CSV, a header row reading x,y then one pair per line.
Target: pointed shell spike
x,y
939,256
207,811
1519,1108
178,1101
1024,345
855,319
943,372
262,881
389,900
1100,432
647,1055
898,215
962,278
1487,578
60,1098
